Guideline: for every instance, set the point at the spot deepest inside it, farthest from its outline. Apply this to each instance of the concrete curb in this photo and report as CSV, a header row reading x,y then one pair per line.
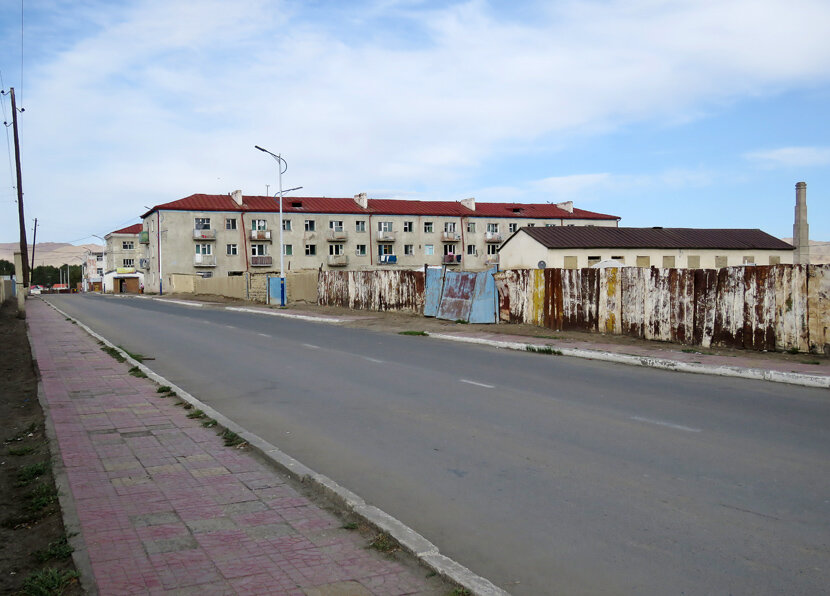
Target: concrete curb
x,y
69,512
410,541
286,315
758,374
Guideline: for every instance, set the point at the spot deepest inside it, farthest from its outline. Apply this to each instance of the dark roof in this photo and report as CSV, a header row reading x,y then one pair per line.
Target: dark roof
x,y
260,204
607,237
133,229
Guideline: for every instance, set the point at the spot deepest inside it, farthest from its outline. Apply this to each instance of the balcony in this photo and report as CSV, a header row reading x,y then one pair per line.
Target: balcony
x,y
260,234
208,234
338,260
450,236
336,235
204,260
492,260
386,236
451,259
144,237
261,261
388,259
492,237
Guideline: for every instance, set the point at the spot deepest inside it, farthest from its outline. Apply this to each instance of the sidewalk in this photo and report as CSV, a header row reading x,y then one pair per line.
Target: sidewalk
x,y
161,505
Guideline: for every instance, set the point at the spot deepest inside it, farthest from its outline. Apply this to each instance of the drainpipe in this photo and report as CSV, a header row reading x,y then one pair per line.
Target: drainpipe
x,y
244,240
371,251
463,246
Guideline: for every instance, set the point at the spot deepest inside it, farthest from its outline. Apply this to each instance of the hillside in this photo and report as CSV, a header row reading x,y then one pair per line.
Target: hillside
x,y
819,251
50,253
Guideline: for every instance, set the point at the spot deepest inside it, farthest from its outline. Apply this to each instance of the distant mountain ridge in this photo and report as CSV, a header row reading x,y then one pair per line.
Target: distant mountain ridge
x,y
51,253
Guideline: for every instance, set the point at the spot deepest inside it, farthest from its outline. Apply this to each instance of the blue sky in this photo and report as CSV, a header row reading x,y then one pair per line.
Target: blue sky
x,y
685,113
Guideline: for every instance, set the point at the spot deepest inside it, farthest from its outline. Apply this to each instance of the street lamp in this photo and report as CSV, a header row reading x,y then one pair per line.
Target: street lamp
x,y
282,166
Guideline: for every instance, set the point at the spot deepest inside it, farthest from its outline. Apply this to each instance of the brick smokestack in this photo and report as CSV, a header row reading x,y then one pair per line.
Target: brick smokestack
x,y
801,229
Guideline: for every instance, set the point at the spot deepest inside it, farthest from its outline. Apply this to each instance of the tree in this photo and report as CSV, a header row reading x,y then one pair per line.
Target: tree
x,y
6,268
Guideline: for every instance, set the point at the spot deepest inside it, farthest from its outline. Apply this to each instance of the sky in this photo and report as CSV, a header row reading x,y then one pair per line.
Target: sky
x,y
688,113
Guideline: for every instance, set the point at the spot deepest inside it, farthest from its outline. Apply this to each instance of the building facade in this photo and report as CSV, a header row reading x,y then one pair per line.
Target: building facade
x,y
687,248
123,273
221,235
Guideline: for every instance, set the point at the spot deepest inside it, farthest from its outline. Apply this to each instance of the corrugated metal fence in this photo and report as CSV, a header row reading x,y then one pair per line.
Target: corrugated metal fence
x,y
372,290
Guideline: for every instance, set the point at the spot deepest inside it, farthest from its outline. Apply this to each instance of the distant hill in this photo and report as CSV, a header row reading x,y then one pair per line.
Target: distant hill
x,y
50,253
819,251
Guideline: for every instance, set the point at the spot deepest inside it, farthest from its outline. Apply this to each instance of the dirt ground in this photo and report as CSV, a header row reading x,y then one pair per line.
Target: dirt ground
x,y
32,538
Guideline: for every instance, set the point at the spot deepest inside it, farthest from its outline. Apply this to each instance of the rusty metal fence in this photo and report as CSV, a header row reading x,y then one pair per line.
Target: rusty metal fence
x,y
372,290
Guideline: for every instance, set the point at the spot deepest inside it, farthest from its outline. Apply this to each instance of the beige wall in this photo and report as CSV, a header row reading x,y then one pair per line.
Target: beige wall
x,y
6,290
178,244
523,252
116,253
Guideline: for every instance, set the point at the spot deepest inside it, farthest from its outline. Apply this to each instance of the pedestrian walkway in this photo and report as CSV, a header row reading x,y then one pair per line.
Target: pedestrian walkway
x,y
161,505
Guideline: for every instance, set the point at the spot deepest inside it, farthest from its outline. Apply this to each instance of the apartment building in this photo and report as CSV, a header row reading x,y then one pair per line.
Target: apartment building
x,y
219,235
122,271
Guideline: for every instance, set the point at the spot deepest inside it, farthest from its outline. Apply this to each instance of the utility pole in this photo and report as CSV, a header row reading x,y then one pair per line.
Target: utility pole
x,y
34,245
23,248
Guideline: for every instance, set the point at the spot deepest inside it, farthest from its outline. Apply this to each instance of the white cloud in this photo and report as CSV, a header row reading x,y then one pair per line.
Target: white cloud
x,y
791,157
166,98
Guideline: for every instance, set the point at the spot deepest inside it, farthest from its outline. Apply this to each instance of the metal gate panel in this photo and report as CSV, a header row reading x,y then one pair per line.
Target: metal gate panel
x,y
432,291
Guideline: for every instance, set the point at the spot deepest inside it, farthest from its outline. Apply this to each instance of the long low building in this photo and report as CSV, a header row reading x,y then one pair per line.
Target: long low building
x,y
221,235
576,248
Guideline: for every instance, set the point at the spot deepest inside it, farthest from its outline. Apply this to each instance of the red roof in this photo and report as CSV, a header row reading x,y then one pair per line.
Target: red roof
x,y
201,202
133,229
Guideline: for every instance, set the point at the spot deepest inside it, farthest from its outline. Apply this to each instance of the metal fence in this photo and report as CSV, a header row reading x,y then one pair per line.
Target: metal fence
x,y
372,290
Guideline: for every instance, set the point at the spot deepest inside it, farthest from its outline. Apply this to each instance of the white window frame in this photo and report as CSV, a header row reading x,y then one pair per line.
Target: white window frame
x,y
512,227
449,227
259,225
309,225
428,227
471,249
127,245
231,249
408,226
259,250
128,263
204,249
385,249
286,225
429,249
201,223
450,249
409,249
360,225
336,249
311,250
471,227
492,249
336,225
385,226
288,250
493,228
230,223
360,250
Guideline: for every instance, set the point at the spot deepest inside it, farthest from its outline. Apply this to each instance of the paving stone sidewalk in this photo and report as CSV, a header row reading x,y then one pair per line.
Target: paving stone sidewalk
x,y
163,506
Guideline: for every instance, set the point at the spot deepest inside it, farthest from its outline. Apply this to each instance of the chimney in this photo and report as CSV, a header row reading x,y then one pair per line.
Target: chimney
x,y
801,229
567,206
362,200
237,197
470,203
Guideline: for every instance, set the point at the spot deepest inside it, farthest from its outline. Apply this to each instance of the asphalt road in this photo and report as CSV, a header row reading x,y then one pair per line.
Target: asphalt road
x,y
545,474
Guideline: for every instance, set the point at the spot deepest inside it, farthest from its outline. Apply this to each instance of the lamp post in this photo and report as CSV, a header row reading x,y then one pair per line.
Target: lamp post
x,y
282,166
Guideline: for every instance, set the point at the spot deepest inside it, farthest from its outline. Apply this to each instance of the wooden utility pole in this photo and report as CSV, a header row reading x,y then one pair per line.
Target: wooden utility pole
x,y
24,252
34,246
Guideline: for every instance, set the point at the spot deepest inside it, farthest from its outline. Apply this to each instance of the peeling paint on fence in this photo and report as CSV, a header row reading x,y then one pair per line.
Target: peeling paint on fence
x,y
818,307
372,290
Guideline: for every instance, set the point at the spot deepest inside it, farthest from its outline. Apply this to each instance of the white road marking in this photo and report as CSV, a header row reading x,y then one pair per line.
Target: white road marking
x,y
477,384
667,424
373,360
263,334
228,326
312,346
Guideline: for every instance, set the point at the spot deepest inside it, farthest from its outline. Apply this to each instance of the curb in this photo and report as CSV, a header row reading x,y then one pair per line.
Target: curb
x,y
410,541
286,315
758,374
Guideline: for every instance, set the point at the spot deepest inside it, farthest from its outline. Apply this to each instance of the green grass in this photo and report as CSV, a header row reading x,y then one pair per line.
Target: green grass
x,y
384,543
23,433
210,422
22,450
28,474
48,582
196,414
163,389
114,353
462,322
811,362
543,350
231,439
412,333
549,336
137,372
57,550
349,526
460,592
792,351
138,357
41,498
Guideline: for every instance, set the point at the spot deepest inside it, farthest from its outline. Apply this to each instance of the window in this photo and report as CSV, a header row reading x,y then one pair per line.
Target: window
x,y
231,249
547,225
619,259
593,259
258,224
493,228
287,250
773,260
449,226
258,250
309,225
471,227
202,223
360,225
360,250
335,250
310,250
408,249
668,262
384,226
512,227
492,249
749,260
128,245
449,249
203,249
693,262
531,225
204,274
720,262
230,223
427,227
471,249
570,262
286,225
384,249
337,226
429,249
407,226
100,271
128,262
99,257
643,261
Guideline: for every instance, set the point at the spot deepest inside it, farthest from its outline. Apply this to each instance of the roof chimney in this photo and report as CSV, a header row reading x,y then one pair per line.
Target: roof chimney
x,y
470,203
237,197
567,206
362,200
801,230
